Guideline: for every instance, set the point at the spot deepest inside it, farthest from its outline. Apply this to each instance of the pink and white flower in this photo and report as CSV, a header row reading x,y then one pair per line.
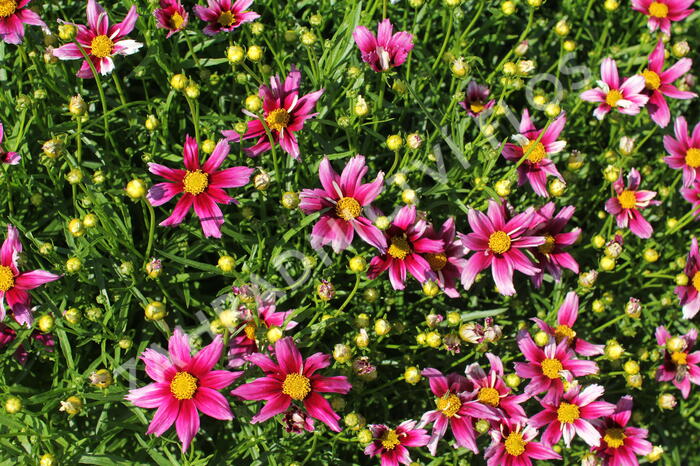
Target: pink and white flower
x,y
386,50
626,98
225,15
390,444
171,16
536,146
10,158
681,365
512,444
341,202
662,12
183,386
13,16
476,99
689,295
448,264
628,203
692,195
492,391
684,150
620,444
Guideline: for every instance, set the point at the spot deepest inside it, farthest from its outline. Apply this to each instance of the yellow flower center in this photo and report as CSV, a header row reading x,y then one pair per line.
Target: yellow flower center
x,y
535,151
614,437
489,396
563,331
696,281
7,8
347,208
567,412
297,386
499,242
250,330
101,46
176,21
548,246
183,386
449,404
627,199
679,358
658,10
651,79
7,278
551,368
437,261
692,157
277,119
477,107
613,96
195,182
390,440
515,445
226,18
399,248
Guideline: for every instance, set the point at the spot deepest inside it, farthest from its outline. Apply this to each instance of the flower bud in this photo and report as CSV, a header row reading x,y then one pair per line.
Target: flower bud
x,y
676,344
255,53
342,353
46,323
370,295
482,426
655,454
365,437
72,315
67,31
47,459
633,308
71,406
394,142
73,265
634,381
235,54
503,187
136,189
562,28
357,264
261,180
151,123
414,141
512,380
557,187
74,176
274,333
412,375
308,38
101,378
13,405
75,227
588,279
631,367
362,339
508,8
541,338
409,196
680,49
361,108
667,401
626,145
325,290
433,339
459,68
613,350
354,421
178,82
77,105
192,90
382,327
154,268
155,310
611,5
569,45
226,263
611,173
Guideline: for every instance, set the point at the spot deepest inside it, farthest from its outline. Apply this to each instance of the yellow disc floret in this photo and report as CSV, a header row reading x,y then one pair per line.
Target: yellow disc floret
x,y
515,445
101,46
489,396
7,278
658,10
499,242
297,386
183,386
614,437
7,8
567,412
613,97
692,157
564,331
535,151
679,358
399,248
696,281
348,208
551,368
651,79
627,199
176,21
390,439
437,261
226,18
449,404
548,246
195,182
277,119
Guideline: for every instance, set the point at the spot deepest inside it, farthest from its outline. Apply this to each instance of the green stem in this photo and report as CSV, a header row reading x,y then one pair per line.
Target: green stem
x,y
151,230
98,81
195,118
609,323
352,293
194,55
444,43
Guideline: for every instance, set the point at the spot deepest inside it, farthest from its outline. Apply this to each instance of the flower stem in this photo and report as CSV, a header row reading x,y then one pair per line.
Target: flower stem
x,y
350,296
194,55
151,230
444,43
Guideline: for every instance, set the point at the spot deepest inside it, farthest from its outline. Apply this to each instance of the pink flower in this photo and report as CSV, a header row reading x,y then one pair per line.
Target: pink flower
x,y
685,151
620,443
689,295
497,242
225,15
476,99
679,366
692,195
449,264
386,50
566,318
662,12
456,408
659,83
245,343
626,97
512,444
492,391
10,158
627,204
183,386
14,284
171,16
284,113
570,416
390,444
201,186
550,257
293,378
547,366
341,201
100,41
13,16
537,164
408,243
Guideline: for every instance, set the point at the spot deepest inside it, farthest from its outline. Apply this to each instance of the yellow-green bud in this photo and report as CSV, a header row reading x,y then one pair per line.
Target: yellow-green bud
x,y
290,200
235,54
13,405
255,53
46,323
155,310
226,263
73,265
358,264
136,189
382,327
412,375
178,82
274,333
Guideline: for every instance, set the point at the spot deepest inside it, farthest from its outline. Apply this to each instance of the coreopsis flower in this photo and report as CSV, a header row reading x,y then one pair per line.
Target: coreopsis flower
x,y
571,416
183,386
628,203
296,421
476,333
692,195
537,164
551,256
293,378
662,12
200,185
456,406
492,391
390,444
225,15
684,150
448,264
284,113
566,318
100,41
15,284
245,342
13,16
171,16
408,247
11,158
659,84
386,50
626,98
497,242
620,444
512,444
547,366
681,365
341,201
476,99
